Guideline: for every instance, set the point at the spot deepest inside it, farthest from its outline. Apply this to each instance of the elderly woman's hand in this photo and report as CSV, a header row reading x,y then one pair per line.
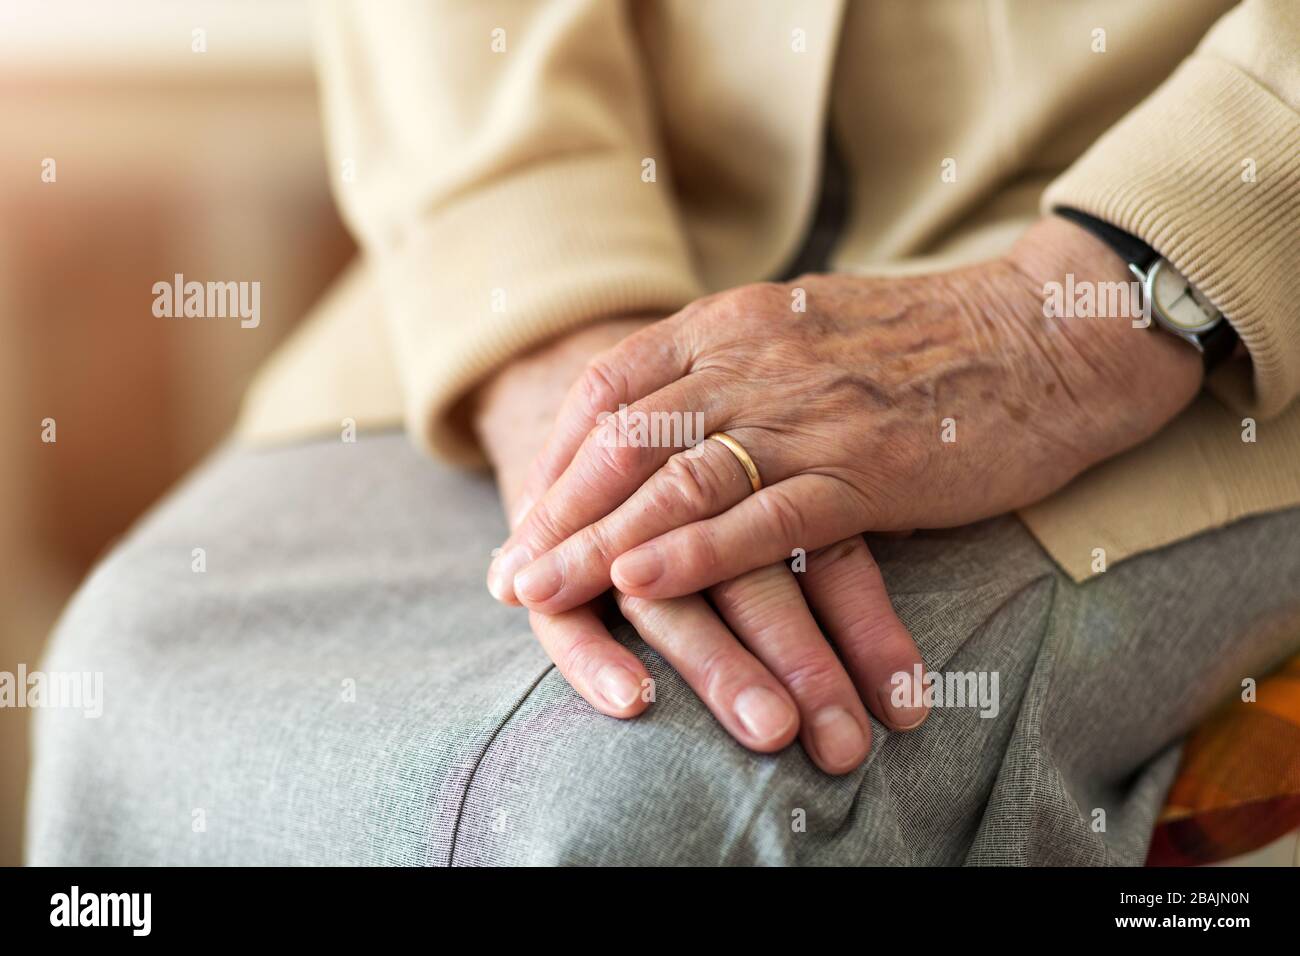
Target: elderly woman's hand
x,y
756,655
888,404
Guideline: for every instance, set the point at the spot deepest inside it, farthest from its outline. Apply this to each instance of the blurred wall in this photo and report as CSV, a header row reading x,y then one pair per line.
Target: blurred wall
x,y
166,160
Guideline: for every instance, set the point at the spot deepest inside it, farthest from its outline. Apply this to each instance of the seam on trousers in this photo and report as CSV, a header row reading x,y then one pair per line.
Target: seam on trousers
x,y
1035,735
1052,645
482,754
1065,637
894,738
1034,730
1031,737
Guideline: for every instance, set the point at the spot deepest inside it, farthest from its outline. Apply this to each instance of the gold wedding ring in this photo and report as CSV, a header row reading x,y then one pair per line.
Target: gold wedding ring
x,y
742,456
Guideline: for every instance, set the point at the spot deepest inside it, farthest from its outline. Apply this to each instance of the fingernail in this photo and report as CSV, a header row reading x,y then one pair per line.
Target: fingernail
x,y
901,697
764,714
501,574
541,580
618,686
839,737
639,567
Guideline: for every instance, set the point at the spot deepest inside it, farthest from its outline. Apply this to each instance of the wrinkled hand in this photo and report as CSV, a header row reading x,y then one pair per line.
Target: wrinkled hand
x,y
888,404
764,669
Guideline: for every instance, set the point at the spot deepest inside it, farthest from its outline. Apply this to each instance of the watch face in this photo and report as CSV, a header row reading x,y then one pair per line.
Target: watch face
x,y
1175,301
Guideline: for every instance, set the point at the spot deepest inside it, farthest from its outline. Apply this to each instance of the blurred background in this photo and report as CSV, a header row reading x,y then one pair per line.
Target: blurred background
x,y
167,160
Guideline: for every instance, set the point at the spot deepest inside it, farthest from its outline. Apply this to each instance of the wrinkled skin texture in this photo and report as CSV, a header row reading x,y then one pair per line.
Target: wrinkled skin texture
x,y
766,637
843,408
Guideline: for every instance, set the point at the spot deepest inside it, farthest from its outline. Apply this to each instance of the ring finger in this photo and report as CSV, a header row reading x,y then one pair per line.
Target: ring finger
x,y
699,483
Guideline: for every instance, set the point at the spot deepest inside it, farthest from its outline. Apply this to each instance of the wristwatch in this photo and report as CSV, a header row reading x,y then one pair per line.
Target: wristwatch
x,y
1175,304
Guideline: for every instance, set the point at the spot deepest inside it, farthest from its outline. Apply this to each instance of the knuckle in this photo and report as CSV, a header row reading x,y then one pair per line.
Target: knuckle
x,y
615,451
583,660
664,496
597,540
701,554
544,528
689,483
781,514
812,674
717,670
754,599
603,383
875,632
757,297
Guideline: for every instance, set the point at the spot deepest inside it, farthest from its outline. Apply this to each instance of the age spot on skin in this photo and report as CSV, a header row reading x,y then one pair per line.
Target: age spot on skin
x,y
1016,412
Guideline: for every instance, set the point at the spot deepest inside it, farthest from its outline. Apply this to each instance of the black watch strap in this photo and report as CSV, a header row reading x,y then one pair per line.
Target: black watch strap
x,y
1218,343
1130,248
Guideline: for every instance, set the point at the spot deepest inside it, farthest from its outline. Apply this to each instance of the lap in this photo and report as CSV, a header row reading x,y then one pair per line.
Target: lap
x,y
335,686
319,691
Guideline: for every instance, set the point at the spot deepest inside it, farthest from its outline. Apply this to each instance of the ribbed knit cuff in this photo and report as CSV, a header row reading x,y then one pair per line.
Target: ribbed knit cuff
x,y
1207,171
515,263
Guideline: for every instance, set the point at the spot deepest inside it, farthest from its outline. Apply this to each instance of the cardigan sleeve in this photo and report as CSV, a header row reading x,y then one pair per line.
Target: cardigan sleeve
x,y
491,158
1206,170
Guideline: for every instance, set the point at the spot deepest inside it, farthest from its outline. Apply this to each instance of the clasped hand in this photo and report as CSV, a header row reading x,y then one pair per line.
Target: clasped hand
x,y
868,405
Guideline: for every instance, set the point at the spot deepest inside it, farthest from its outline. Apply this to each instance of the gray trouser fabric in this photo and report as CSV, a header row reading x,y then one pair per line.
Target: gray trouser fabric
x,y
337,687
